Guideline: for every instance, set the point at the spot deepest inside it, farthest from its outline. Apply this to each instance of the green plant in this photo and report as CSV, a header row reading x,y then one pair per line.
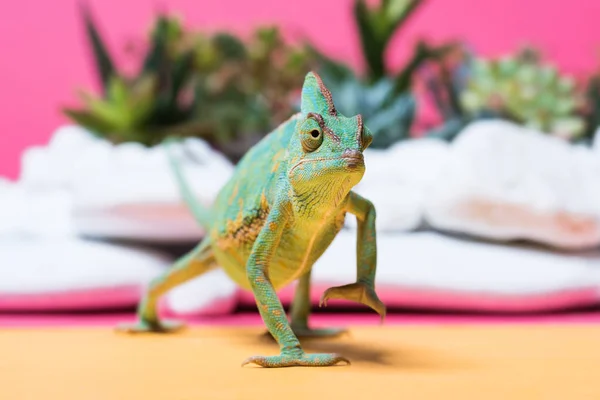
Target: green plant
x,y
525,89
591,108
249,92
383,96
216,86
519,87
443,79
376,27
144,108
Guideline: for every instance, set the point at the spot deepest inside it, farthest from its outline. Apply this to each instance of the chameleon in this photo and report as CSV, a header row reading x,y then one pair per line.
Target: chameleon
x,y
284,204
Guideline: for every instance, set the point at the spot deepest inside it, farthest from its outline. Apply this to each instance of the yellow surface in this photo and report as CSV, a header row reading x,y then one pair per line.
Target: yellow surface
x,y
393,362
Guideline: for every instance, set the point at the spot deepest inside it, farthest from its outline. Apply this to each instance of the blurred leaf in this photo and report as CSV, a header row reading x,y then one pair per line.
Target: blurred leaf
x,y
157,55
376,27
422,54
180,73
373,45
85,118
104,64
117,93
229,47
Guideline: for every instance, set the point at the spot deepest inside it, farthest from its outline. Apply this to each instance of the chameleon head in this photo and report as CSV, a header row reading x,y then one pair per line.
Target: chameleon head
x,y
327,147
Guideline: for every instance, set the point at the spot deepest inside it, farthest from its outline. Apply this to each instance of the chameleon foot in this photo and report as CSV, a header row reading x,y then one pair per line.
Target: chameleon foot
x,y
358,292
306,332
143,326
302,360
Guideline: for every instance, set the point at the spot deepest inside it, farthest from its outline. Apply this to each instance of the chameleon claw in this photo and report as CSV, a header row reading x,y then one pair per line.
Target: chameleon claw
x,y
250,360
358,292
322,302
345,360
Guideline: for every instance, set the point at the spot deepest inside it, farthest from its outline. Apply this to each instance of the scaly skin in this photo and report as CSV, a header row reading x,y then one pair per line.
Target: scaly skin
x,y
280,211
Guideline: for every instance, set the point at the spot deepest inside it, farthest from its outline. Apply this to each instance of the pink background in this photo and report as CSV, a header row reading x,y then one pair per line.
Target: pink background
x,y
44,56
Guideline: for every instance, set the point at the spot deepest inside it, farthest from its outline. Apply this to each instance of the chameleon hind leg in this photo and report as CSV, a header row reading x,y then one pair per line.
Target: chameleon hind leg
x,y
300,311
191,265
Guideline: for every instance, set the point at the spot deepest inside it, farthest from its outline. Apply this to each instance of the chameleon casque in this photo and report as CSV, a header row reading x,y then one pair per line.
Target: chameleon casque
x,y
280,211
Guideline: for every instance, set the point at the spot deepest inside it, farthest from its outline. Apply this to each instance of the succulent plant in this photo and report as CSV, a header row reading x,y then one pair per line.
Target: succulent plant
x,y
376,27
382,96
216,86
519,87
144,108
245,89
527,90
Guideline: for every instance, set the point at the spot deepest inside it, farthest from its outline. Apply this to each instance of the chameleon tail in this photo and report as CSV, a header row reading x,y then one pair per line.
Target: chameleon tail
x,y
201,213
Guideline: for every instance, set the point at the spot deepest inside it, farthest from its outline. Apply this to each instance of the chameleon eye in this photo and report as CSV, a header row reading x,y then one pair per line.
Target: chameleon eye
x,y
366,138
311,140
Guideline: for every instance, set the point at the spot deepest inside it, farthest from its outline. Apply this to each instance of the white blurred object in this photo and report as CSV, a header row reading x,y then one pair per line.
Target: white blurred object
x,y
79,184
34,213
213,293
126,191
398,179
503,181
52,274
65,273
435,261
45,266
428,269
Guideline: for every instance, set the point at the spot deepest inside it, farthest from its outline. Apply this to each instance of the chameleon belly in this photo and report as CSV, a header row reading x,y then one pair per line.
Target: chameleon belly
x,y
297,251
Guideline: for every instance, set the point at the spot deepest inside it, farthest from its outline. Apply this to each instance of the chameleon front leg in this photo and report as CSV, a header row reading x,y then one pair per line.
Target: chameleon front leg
x,y
269,305
300,310
196,262
363,291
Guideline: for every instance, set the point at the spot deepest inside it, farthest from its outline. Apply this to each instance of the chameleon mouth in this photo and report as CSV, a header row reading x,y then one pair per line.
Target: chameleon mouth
x,y
353,161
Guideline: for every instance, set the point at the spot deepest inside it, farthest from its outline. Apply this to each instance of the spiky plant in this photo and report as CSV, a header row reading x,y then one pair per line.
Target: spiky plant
x,y
525,89
443,79
216,86
383,96
144,108
376,27
519,87
245,89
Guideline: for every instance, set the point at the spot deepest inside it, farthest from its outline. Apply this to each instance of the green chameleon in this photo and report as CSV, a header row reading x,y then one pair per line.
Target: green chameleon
x,y
275,217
